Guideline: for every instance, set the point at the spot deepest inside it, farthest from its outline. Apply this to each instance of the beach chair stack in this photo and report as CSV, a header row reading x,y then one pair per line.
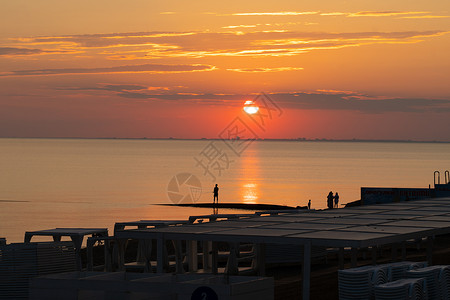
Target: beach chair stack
x,y
398,270
393,281
19,262
437,280
411,289
445,282
432,276
359,283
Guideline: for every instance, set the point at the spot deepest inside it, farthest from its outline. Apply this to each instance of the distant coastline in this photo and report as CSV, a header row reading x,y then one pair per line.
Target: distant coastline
x,y
216,139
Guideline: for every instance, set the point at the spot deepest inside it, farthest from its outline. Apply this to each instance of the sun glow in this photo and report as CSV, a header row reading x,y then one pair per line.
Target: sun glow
x,y
250,107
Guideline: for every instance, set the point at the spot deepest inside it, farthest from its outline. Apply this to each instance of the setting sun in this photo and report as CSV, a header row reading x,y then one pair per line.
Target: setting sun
x,y
250,107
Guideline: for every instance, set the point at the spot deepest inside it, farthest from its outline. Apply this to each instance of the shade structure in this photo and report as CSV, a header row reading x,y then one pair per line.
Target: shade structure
x,y
411,289
359,283
356,227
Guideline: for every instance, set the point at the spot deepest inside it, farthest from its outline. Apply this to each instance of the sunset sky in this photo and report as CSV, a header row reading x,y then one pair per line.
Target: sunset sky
x,y
337,69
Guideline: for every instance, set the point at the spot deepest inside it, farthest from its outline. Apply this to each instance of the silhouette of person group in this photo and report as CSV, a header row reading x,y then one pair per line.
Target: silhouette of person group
x,y
332,201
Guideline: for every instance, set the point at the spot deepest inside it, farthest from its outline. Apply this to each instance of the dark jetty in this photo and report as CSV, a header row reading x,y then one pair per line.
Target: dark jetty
x,y
238,206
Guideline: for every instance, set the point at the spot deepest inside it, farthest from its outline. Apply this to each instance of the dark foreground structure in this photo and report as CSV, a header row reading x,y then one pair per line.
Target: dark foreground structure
x,y
304,248
365,227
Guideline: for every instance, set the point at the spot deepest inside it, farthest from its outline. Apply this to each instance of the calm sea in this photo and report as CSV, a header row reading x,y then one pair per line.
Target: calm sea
x,y
48,183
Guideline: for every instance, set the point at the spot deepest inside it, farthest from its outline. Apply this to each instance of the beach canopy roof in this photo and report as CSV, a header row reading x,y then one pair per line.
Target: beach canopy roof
x,y
357,227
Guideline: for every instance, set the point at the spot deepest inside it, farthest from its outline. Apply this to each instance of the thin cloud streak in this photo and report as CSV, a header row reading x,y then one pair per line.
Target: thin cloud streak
x,y
397,14
264,70
346,14
10,51
240,26
333,100
157,45
145,68
425,17
13,51
384,13
320,100
280,13
314,101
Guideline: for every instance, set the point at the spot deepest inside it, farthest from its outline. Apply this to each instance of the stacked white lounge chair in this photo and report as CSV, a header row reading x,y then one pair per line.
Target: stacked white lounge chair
x,y
19,262
359,283
411,289
445,282
437,280
398,270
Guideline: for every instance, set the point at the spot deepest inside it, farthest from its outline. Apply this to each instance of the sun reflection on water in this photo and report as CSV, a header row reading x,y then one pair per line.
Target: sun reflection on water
x,y
250,193
249,188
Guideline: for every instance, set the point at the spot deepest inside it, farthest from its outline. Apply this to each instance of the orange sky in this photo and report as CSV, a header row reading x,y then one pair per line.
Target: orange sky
x,y
342,70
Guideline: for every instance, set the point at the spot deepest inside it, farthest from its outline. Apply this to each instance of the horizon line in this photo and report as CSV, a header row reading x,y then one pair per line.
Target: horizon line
x,y
300,139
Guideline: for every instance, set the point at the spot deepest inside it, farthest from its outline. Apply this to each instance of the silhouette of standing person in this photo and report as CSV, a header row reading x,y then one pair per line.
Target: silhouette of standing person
x,y
330,200
336,200
216,194
309,204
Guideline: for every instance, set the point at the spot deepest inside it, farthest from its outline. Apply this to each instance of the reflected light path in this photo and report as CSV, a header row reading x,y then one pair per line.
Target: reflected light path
x,y
250,193
249,187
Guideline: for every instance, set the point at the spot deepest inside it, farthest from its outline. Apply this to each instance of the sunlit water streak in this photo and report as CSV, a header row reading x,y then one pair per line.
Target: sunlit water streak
x,y
48,183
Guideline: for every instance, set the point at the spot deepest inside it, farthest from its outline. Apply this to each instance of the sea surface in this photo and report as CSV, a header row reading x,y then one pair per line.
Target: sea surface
x,y
49,183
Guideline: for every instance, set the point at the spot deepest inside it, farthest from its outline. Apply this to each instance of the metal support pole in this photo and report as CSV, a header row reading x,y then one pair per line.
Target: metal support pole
x,y
108,252
374,255
394,252
232,262
430,250
403,251
77,241
354,258
341,258
121,253
261,259
160,255
207,261
178,256
214,257
192,256
89,245
146,252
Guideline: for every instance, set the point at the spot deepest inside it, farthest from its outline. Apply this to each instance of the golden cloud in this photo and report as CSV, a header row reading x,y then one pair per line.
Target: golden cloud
x,y
240,26
280,13
400,14
384,13
264,70
425,17
195,45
